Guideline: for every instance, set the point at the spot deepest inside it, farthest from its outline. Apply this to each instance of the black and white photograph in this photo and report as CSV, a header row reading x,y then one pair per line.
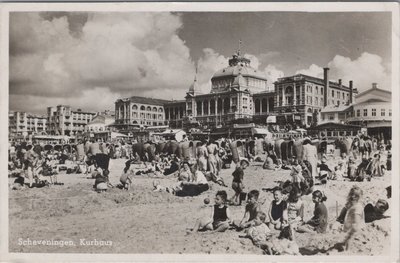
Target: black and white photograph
x,y
260,130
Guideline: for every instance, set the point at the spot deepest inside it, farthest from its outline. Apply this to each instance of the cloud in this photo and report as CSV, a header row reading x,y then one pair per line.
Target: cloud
x,y
272,74
69,55
364,70
96,99
313,71
209,63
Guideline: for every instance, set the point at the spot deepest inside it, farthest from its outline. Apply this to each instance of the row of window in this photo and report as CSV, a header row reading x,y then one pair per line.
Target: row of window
x,y
373,112
143,108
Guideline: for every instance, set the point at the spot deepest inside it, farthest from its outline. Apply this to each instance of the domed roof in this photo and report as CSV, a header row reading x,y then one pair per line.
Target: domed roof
x,y
239,65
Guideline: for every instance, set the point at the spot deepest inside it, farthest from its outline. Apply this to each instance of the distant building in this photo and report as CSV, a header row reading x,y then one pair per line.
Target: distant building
x,y
300,98
100,123
337,114
23,123
136,112
62,120
373,111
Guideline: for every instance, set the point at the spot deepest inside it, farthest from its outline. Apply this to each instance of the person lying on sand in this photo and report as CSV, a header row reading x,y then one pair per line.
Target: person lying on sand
x,y
375,212
220,217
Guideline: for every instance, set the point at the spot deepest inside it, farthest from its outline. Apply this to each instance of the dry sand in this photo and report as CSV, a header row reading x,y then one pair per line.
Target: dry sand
x,y
143,221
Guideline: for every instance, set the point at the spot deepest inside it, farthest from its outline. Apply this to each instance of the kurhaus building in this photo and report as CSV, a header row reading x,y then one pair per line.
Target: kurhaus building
x,y
239,94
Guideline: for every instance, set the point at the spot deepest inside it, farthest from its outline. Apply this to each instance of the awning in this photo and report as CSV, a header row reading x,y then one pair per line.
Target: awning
x,y
379,124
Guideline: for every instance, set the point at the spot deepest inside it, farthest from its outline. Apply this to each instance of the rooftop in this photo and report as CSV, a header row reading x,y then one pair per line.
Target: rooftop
x,y
335,108
146,100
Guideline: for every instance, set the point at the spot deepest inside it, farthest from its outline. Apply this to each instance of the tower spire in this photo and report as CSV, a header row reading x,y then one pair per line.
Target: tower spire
x,y
240,45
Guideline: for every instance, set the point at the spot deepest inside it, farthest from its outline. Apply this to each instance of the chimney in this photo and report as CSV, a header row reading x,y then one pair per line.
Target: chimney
x,y
374,85
351,91
340,82
326,84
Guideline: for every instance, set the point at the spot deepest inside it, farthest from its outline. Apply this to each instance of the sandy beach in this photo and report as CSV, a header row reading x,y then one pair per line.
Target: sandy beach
x,y
143,221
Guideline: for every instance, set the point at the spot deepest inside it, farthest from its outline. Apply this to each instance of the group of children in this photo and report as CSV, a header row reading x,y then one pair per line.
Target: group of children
x,y
286,214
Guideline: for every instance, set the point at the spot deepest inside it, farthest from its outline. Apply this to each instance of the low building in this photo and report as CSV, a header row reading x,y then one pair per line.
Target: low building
x,y
332,130
100,123
373,111
334,113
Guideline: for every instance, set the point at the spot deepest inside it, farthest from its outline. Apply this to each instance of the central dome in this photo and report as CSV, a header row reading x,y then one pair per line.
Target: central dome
x,y
239,65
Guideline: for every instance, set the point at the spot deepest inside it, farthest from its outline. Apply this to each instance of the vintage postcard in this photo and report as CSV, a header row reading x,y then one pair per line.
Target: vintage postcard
x,y
199,132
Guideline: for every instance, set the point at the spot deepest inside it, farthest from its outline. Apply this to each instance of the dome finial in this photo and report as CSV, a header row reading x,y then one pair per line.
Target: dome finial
x,y
240,44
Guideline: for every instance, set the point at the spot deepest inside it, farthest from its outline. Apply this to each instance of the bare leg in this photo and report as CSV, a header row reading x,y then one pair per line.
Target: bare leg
x,y
222,227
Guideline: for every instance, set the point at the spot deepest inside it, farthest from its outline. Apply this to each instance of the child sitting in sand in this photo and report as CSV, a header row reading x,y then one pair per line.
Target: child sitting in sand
x,y
294,213
324,171
283,245
319,222
296,174
251,210
126,176
259,232
220,218
376,212
276,210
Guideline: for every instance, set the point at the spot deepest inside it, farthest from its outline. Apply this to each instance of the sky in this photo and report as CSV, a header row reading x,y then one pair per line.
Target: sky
x,y
90,59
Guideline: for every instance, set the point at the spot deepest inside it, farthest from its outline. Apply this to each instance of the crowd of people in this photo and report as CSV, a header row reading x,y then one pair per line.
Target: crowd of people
x,y
38,166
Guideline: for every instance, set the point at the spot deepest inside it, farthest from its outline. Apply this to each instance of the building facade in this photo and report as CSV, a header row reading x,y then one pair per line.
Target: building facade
x,y
373,111
135,112
300,98
231,97
175,113
337,114
23,123
62,120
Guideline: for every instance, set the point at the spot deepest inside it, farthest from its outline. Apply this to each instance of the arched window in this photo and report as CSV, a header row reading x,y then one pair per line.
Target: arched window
x,y
142,108
288,90
148,108
134,107
154,109
309,110
160,110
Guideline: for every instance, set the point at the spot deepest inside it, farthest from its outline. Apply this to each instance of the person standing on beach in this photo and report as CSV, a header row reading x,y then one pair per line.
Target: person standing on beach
x,y
202,156
310,155
237,182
